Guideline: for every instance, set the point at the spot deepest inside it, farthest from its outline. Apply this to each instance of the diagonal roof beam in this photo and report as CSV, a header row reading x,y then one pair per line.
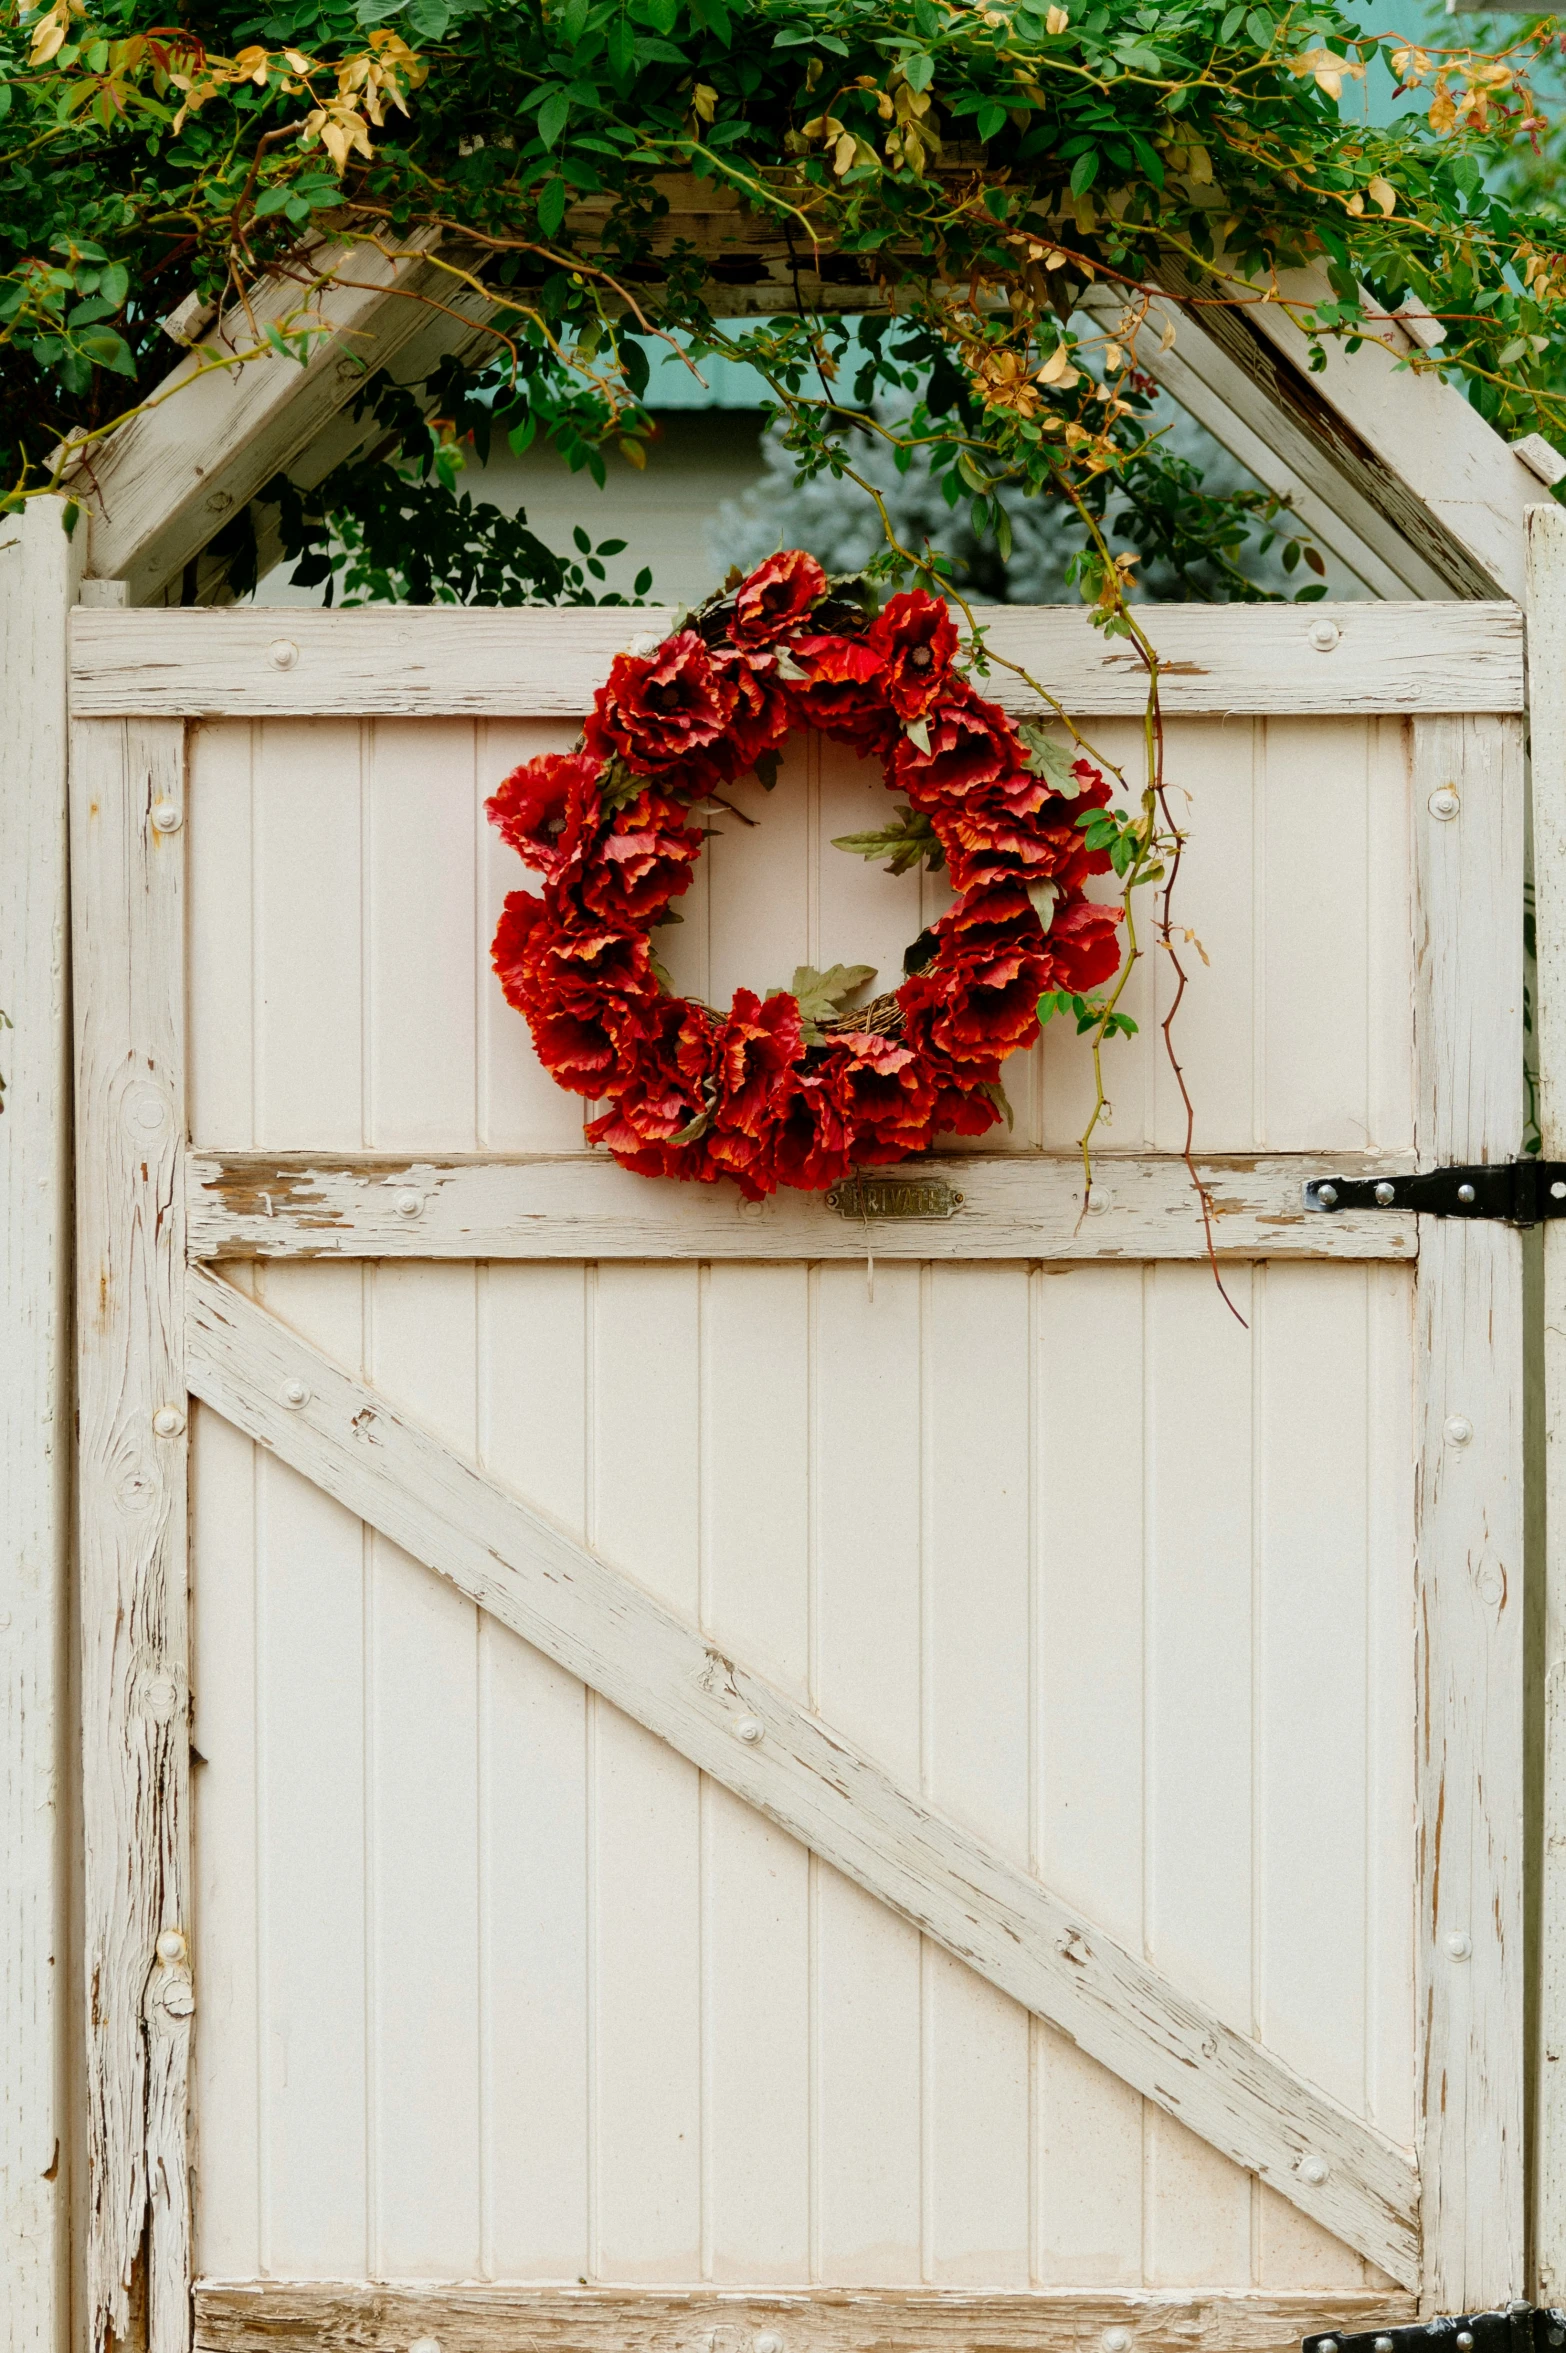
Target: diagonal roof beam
x,y
778,1756
163,483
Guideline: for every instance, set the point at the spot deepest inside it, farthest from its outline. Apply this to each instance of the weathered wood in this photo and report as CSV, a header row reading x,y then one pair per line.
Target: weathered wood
x,y
346,2316
1547,743
581,1205
127,854
1265,659
1468,1951
39,566
776,1755
165,481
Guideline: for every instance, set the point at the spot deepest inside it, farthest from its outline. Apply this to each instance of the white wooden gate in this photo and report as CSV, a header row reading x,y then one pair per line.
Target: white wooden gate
x,y
959,1800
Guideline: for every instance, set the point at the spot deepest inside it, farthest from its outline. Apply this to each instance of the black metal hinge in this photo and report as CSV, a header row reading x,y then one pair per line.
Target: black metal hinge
x,y
1521,2328
1521,1191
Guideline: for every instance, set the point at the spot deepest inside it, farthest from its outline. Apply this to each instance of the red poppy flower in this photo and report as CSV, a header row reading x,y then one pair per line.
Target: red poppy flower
x,y
841,692
1083,945
813,1138
658,1093
916,639
761,716
891,1096
972,744
984,837
777,597
978,1000
663,710
545,808
645,859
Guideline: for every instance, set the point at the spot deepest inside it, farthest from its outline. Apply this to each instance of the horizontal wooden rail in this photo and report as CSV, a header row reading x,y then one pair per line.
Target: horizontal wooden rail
x,y
1264,660
582,1205
349,2316
597,1623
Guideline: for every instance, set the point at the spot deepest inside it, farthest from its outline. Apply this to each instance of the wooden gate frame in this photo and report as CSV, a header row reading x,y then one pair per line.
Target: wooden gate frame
x,y
154,1326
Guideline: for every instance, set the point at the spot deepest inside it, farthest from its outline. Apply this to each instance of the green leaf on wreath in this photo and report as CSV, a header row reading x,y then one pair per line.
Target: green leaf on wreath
x,y
903,844
1049,757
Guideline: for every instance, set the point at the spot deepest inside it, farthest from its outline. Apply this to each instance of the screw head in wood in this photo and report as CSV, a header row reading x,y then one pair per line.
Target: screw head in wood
x,y
1117,2340
168,1421
171,1947
1314,2169
749,1729
1444,802
282,653
295,1394
425,2345
1386,1193
769,2342
162,1699
167,817
1459,1429
409,1204
1459,1946
1325,636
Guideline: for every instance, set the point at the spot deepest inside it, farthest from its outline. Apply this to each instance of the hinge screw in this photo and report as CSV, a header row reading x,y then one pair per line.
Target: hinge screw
x,y
1386,1194
1383,2345
1465,1194
1465,2340
1327,1195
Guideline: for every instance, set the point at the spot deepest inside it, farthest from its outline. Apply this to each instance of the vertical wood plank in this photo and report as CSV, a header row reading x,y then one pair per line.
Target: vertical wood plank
x,y
1469,1597
128,970
1547,744
39,567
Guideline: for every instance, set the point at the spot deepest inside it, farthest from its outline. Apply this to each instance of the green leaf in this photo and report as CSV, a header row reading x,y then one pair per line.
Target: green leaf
x,y
5,100
551,206
272,200
106,349
904,844
1084,172
1049,757
552,117
918,71
822,996
660,16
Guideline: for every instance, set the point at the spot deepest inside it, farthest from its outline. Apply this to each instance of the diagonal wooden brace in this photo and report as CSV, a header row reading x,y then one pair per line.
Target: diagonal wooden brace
x,y
601,1626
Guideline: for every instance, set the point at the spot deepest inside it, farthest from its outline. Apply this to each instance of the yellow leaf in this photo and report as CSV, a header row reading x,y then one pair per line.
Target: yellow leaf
x,y
844,152
1383,193
1356,204
1056,21
1329,69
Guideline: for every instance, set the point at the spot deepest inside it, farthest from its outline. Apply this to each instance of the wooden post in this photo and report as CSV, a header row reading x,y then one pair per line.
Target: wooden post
x,y
127,885
39,566
1547,728
1468,872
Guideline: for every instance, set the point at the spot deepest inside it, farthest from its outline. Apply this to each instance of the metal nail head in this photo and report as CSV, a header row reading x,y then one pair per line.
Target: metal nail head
x,y
1383,2345
1466,1194
167,817
1386,1193
295,1393
1327,1195
1444,802
168,1421
1465,2340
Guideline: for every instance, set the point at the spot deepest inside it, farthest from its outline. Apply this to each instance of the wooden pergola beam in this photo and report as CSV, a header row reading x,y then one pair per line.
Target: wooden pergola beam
x,y
1390,469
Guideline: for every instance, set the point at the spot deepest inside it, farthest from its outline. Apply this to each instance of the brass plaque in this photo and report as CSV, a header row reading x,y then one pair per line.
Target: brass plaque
x,y
869,1194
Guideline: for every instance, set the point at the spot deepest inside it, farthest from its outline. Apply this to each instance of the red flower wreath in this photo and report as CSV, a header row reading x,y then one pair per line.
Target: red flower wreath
x,y
763,1093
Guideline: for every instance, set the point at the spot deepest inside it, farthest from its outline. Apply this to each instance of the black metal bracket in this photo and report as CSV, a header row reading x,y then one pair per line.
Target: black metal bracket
x,y
1522,1192
1521,2328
